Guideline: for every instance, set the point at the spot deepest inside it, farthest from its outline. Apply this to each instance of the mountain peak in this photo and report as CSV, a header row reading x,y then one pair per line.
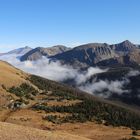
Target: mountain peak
x,y
127,42
124,47
27,47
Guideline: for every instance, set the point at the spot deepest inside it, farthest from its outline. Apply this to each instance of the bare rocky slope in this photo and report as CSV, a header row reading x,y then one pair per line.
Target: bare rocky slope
x,y
101,54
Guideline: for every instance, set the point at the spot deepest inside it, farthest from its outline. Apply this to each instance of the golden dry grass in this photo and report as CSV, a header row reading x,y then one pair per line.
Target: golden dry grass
x,y
15,132
95,131
90,130
10,76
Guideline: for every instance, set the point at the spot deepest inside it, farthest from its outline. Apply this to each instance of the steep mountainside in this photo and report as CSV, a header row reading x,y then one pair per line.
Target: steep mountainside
x,y
97,54
37,102
128,78
37,53
88,54
118,84
131,58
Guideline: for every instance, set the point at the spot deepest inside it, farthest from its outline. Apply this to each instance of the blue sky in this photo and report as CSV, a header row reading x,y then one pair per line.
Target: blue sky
x,y
68,22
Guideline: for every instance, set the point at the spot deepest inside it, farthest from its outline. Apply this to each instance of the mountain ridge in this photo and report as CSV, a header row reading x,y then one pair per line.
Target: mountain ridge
x,y
91,54
101,54
39,52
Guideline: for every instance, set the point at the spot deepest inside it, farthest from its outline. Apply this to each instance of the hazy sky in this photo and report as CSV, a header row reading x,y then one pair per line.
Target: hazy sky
x,y
69,22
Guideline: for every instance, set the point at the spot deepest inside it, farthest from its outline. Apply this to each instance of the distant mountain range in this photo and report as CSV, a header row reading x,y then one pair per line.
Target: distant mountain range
x,y
92,54
19,51
39,52
101,54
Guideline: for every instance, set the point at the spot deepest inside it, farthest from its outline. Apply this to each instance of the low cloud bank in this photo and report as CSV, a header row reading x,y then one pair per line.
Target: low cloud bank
x,y
58,72
51,70
133,73
105,88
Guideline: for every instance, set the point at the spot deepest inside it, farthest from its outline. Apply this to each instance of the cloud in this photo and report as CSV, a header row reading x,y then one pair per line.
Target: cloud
x,y
58,72
105,88
51,70
133,73
82,77
138,96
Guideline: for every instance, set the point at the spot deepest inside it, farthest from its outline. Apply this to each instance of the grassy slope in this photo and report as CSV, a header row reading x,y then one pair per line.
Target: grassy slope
x,y
89,109
71,105
16,132
10,76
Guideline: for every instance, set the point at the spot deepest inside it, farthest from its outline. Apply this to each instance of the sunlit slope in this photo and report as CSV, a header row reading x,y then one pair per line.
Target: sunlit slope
x,y
36,102
10,76
16,132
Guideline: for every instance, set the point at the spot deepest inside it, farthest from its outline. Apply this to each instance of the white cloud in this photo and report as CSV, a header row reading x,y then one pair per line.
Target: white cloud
x,y
51,70
105,88
58,72
133,73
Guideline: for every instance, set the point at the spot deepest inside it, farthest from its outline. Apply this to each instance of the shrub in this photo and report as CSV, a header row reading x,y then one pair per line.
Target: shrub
x,y
24,90
134,132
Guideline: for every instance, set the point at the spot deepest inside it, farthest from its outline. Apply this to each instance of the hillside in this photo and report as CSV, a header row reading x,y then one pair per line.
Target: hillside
x,y
16,132
117,84
10,76
36,102
130,79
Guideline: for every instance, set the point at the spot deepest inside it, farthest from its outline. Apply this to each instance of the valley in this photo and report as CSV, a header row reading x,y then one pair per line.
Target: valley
x,y
69,70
